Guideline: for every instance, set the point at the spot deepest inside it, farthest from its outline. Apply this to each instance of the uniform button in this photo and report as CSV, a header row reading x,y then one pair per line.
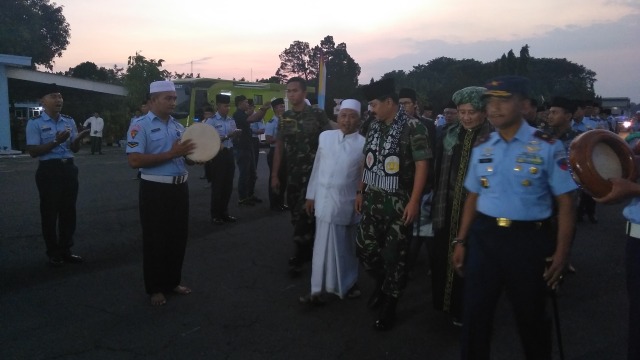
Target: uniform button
x,y
533,170
517,168
526,182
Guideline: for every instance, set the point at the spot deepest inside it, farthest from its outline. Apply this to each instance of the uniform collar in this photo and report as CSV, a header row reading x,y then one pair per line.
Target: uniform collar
x,y
218,116
523,134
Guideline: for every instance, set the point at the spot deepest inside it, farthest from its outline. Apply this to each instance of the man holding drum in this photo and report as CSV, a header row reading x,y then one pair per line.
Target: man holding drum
x,y
154,146
624,189
502,243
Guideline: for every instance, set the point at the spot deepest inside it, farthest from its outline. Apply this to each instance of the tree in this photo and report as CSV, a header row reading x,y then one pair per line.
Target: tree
x,y
90,71
139,74
33,28
297,60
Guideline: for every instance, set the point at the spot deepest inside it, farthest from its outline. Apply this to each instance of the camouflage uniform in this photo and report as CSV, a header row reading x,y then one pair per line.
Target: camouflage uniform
x,y
382,236
300,132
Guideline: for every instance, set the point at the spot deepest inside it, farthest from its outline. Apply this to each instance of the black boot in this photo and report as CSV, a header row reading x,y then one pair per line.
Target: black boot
x,y
387,315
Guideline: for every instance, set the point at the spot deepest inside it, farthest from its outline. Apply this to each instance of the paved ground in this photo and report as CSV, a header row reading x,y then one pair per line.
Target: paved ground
x,y
244,306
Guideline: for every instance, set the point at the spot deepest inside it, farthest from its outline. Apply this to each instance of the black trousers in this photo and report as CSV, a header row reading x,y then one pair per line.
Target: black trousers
x,y
164,216
96,144
510,259
586,205
277,200
57,183
220,171
255,143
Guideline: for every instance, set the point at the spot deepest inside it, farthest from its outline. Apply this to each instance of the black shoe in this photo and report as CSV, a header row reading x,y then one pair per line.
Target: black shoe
x,y
229,219
387,315
280,208
217,221
312,299
255,199
56,261
284,208
72,259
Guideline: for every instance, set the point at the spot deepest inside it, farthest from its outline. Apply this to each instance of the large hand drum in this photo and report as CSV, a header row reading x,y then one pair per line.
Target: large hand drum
x,y
597,156
207,141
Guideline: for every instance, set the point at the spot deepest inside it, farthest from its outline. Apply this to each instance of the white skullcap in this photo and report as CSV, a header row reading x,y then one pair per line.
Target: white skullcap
x,y
306,101
161,86
351,104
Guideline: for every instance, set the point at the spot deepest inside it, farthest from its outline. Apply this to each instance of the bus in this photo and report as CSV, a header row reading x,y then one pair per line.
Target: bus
x,y
196,93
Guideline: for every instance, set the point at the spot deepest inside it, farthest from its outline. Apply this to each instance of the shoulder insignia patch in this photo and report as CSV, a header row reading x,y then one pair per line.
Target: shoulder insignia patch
x,y
544,136
482,139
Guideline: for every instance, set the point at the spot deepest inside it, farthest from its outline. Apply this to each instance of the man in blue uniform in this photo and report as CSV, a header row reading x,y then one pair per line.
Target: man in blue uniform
x,y
276,198
154,146
53,138
514,173
221,169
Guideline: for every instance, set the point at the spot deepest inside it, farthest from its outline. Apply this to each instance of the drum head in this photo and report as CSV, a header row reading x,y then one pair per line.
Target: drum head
x,y
597,156
207,141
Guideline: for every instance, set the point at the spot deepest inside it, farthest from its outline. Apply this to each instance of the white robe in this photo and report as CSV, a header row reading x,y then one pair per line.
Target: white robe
x,y
333,184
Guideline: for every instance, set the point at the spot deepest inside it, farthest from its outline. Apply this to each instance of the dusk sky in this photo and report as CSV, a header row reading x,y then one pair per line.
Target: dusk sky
x,y
243,39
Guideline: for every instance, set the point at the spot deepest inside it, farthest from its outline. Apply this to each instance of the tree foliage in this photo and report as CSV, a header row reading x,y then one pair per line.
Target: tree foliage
x,y
90,71
437,80
34,28
139,74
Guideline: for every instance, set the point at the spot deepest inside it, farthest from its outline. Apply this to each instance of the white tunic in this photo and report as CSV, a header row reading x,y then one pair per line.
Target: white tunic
x,y
334,179
333,184
97,125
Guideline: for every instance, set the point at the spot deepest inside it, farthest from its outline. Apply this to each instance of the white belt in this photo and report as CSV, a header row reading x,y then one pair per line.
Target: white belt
x,y
165,179
633,230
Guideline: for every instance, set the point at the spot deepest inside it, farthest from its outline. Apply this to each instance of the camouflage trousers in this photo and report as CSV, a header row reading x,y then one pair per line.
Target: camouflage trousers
x,y
382,239
304,226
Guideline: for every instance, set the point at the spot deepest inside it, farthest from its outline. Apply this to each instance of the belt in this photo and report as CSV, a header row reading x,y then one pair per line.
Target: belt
x,y
165,179
509,223
633,230
57,161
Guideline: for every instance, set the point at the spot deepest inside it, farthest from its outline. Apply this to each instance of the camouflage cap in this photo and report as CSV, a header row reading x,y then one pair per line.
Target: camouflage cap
x,y
470,95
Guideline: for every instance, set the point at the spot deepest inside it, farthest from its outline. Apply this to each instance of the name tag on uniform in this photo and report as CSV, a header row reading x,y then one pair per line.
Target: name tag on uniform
x,y
155,130
486,160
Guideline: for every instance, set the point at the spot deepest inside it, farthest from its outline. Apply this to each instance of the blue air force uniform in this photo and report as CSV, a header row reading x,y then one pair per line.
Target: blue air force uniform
x,y
57,182
508,241
221,169
164,202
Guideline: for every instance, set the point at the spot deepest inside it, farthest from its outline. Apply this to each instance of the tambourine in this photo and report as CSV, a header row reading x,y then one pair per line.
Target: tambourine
x,y
598,155
207,141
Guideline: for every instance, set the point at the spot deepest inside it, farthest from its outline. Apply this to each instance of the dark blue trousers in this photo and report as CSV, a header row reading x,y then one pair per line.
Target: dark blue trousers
x,y
510,259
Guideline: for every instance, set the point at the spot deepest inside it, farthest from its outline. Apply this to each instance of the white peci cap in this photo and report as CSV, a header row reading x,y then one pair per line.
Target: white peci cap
x,y
351,104
161,86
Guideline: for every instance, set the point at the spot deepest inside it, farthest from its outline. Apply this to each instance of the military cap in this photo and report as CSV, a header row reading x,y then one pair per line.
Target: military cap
x,y
48,89
379,89
407,93
562,102
223,99
506,86
276,102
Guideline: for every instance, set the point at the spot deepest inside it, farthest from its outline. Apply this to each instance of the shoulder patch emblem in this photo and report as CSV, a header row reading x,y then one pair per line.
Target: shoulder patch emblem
x,y
544,136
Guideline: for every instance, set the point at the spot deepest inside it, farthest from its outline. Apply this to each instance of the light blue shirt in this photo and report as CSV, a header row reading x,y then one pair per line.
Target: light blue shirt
x,y
43,129
517,179
271,129
631,212
150,135
585,125
256,127
224,126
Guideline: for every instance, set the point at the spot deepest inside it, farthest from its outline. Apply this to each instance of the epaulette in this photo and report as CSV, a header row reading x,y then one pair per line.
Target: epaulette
x,y
544,136
482,139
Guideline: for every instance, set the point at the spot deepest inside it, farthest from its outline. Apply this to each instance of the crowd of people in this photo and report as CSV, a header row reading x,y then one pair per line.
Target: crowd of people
x,y
485,188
